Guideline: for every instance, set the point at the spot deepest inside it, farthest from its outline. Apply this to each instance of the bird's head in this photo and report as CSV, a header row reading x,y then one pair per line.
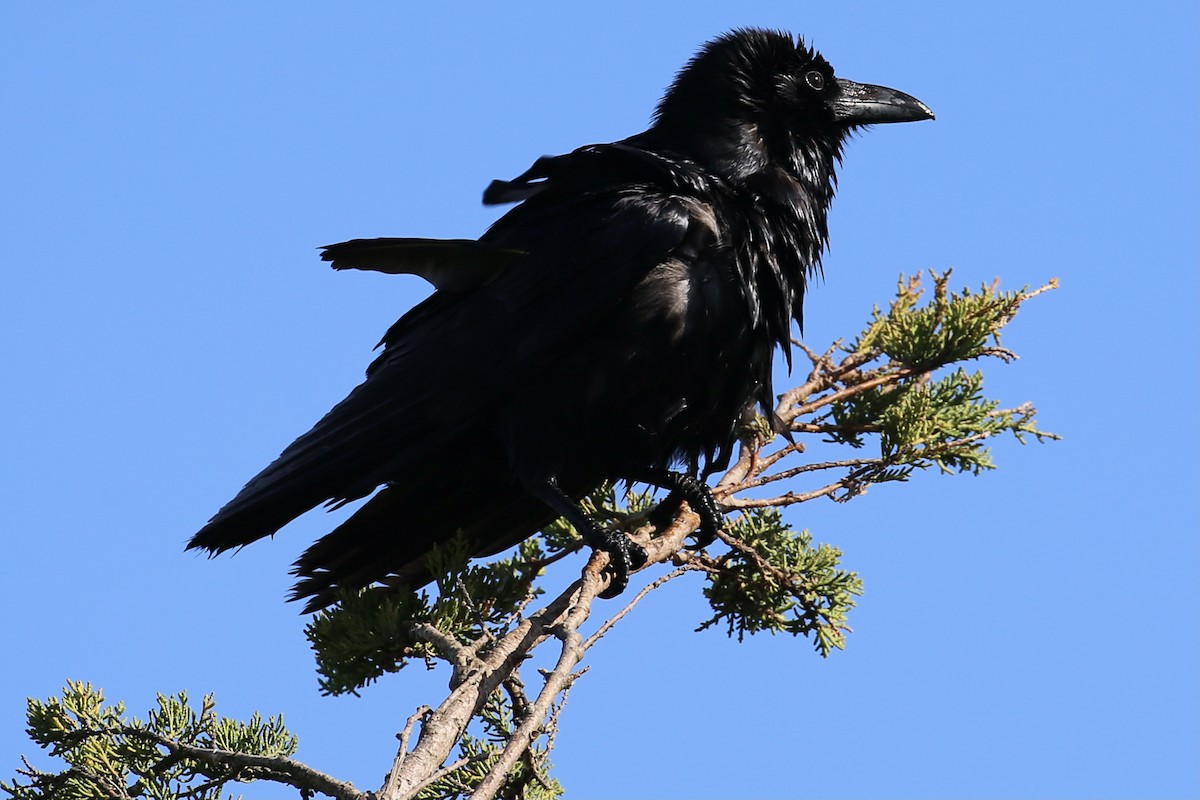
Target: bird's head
x,y
753,98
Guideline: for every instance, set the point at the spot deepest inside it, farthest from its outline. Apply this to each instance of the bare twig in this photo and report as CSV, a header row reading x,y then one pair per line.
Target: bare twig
x,y
446,772
389,786
647,589
739,471
820,380
276,768
765,462
792,498
446,646
794,471
890,375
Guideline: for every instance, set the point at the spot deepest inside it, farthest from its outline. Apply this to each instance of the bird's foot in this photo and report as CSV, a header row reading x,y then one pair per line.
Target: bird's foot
x,y
699,497
711,518
624,554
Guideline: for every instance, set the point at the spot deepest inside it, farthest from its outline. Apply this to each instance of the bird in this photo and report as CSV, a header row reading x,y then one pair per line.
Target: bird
x,y
618,323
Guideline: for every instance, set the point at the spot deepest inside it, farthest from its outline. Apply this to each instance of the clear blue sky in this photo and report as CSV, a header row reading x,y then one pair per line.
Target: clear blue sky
x,y
167,328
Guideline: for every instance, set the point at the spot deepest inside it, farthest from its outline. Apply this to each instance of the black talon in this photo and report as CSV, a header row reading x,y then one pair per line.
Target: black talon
x,y
698,496
625,556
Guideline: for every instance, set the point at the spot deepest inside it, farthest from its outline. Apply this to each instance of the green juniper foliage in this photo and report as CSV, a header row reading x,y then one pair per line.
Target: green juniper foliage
x,y
922,421
951,327
775,580
112,755
372,632
897,397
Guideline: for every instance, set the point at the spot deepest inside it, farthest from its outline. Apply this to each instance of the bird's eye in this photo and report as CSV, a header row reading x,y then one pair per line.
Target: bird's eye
x,y
815,80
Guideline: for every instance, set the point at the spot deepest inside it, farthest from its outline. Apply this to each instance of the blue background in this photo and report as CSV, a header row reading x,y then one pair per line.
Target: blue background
x,y
167,328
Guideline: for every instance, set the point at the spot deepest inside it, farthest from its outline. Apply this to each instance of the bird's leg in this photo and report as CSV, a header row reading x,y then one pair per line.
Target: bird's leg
x,y
625,555
697,494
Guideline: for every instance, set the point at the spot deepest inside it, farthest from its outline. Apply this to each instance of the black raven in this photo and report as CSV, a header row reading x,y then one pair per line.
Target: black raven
x,y
617,324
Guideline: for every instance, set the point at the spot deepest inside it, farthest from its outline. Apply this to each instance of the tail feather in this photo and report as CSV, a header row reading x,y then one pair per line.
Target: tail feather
x,y
389,539
234,527
389,542
294,483
371,434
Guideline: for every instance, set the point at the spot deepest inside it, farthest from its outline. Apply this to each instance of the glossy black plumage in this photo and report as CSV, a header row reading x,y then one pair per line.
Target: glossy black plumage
x,y
618,322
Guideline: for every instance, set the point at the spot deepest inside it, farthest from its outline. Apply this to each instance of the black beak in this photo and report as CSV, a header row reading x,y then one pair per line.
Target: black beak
x,y
865,104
